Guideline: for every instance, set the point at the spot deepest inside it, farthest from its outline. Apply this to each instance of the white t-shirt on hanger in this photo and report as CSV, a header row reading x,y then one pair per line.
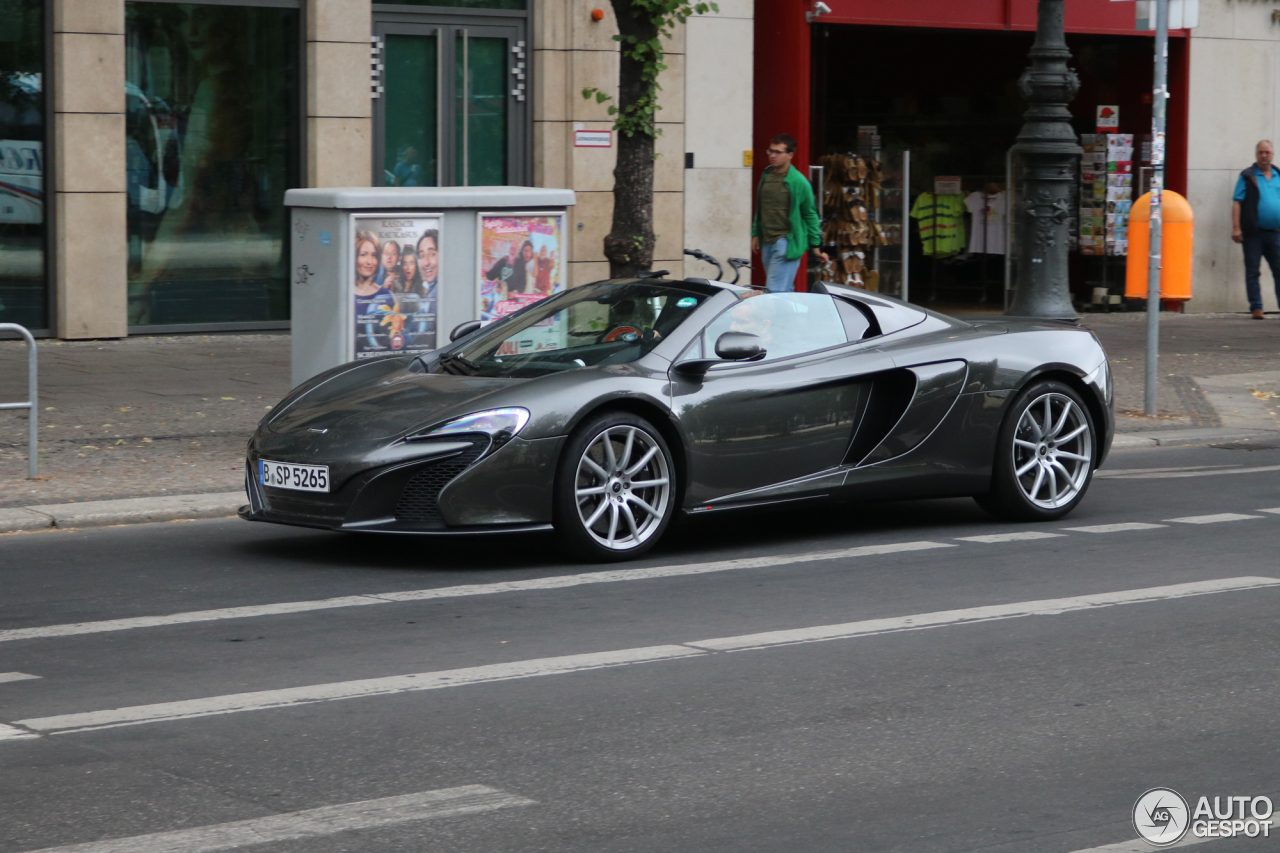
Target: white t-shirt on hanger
x,y
991,209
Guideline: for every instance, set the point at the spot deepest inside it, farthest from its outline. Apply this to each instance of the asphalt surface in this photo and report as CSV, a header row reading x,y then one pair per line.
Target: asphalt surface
x,y
1030,732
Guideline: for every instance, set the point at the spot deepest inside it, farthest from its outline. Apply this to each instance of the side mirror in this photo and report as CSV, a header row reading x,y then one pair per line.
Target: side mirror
x,y
464,329
740,346
731,346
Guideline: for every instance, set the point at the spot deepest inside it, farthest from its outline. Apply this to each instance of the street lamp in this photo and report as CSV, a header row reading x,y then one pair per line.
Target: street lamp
x,y
1047,147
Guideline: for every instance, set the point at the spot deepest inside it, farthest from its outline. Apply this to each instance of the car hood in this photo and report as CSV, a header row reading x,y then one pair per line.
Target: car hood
x,y
382,399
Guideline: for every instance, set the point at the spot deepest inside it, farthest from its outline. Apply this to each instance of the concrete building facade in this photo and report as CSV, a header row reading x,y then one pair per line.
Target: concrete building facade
x,y
159,137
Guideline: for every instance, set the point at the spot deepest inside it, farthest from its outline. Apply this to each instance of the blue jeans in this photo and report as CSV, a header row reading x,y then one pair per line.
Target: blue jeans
x,y
779,273
1256,247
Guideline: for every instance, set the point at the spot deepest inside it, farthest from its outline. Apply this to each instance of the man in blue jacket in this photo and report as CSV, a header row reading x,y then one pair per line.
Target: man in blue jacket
x,y
786,221
1255,222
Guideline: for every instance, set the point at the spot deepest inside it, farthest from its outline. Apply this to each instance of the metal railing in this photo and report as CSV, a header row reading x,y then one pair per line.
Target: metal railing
x,y
31,404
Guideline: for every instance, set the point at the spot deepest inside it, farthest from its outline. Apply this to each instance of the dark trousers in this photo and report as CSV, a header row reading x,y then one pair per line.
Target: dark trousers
x,y
1256,246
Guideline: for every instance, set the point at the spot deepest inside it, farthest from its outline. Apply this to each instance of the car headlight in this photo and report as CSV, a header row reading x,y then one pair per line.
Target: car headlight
x,y
500,423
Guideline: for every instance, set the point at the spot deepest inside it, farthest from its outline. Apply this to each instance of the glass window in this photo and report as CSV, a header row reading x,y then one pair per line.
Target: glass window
x,y
468,4
211,146
412,114
23,294
599,324
787,323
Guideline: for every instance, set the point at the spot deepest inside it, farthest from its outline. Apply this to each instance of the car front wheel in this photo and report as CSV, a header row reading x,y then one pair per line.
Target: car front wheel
x,y
615,489
1044,455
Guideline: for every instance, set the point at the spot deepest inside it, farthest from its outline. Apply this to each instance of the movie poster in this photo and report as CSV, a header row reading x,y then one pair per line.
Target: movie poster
x,y
522,261
396,285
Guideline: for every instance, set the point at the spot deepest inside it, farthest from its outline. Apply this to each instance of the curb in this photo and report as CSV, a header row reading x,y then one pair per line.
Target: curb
x,y
129,511
1184,437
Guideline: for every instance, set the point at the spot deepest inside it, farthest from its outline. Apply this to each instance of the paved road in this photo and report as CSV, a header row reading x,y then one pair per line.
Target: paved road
x,y
901,677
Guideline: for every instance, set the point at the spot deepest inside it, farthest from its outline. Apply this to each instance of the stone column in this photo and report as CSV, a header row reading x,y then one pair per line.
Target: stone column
x,y
1047,146
573,51
339,105
91,263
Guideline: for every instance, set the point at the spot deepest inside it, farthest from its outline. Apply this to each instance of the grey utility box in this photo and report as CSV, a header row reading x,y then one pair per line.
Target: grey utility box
x,y
390,270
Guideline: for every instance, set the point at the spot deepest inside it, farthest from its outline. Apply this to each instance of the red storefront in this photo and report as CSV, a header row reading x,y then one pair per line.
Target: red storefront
x,y
939,77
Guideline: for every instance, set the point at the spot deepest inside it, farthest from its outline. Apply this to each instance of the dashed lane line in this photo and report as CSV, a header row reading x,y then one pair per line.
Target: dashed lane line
x,y
557,582
1216,518
1122,472
993,538
1115,528
390,685
312,823
562,581
13,733
15,676
1140,846
1165,475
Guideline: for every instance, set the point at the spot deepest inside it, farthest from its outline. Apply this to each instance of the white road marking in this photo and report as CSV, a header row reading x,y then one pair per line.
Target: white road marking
x,y
1009,537
1175,474
558,582
1115,528
15,676
235,703
312,823
1212,519
1140,846
10,733
1047,607
1121,472
1274,510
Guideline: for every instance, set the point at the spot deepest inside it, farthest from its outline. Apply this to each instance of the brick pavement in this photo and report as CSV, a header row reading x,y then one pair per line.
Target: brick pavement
x,y
137,417
150,416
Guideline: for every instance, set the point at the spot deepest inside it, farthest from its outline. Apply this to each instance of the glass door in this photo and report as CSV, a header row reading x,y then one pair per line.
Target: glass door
x,y
452,107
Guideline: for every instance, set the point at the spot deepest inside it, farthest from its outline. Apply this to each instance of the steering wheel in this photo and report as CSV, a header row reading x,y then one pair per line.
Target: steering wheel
x,y
614,334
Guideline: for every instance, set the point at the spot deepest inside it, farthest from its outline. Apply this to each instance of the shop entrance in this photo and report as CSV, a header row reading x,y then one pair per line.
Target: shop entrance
x,y
950,97
453,100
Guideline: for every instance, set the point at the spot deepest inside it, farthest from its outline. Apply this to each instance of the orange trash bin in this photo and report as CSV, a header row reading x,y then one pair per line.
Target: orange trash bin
x,y
1176,227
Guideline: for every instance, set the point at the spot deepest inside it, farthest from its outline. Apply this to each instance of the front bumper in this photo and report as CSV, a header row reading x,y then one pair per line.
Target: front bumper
x,y
463,486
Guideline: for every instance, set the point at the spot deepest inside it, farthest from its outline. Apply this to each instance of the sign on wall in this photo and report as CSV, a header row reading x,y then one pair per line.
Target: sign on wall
x,y
522,261
395,283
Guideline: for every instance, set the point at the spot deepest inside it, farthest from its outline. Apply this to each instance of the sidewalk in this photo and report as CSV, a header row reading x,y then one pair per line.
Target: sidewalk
x,y
169,416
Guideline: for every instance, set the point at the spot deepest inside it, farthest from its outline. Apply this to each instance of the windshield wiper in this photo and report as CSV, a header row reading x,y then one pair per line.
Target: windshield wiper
x,y
469,367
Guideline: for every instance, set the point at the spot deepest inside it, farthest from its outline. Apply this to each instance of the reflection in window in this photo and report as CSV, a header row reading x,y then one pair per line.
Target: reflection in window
x,y
23,296
211,146
786,323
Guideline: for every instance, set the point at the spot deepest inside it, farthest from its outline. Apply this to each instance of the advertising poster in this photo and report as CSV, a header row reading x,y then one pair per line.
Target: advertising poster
x,y
522,261
397,272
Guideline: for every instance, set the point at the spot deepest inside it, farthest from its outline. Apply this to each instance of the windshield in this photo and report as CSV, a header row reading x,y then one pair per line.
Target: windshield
x,y
597,324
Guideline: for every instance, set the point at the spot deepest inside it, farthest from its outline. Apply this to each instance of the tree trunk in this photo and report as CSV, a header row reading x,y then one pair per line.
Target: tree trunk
x,y
629,244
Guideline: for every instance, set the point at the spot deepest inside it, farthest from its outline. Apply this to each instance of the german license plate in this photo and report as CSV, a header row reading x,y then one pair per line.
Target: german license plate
x,y
288,475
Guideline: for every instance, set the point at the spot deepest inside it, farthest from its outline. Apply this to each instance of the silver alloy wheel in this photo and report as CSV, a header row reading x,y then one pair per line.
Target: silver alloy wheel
x,y
622,487
1052,450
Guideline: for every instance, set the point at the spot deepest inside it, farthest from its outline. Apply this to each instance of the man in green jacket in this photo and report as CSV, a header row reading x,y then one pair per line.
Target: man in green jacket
x,y
786,222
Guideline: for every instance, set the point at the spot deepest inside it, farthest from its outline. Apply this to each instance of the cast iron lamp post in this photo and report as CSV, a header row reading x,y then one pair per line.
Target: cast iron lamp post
x,y
1047,146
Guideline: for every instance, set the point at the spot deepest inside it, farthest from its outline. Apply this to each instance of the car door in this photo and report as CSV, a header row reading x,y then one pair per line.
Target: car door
x,y
751,425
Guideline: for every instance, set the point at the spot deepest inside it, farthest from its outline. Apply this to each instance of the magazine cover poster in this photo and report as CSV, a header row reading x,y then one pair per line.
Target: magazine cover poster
x,y
522,261
397,272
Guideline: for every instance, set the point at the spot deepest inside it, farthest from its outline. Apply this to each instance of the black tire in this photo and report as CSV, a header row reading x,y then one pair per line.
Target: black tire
x,y
1055,474
633,506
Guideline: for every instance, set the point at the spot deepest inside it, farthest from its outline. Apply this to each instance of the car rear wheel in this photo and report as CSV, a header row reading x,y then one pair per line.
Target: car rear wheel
x,y
1044,455
615,489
